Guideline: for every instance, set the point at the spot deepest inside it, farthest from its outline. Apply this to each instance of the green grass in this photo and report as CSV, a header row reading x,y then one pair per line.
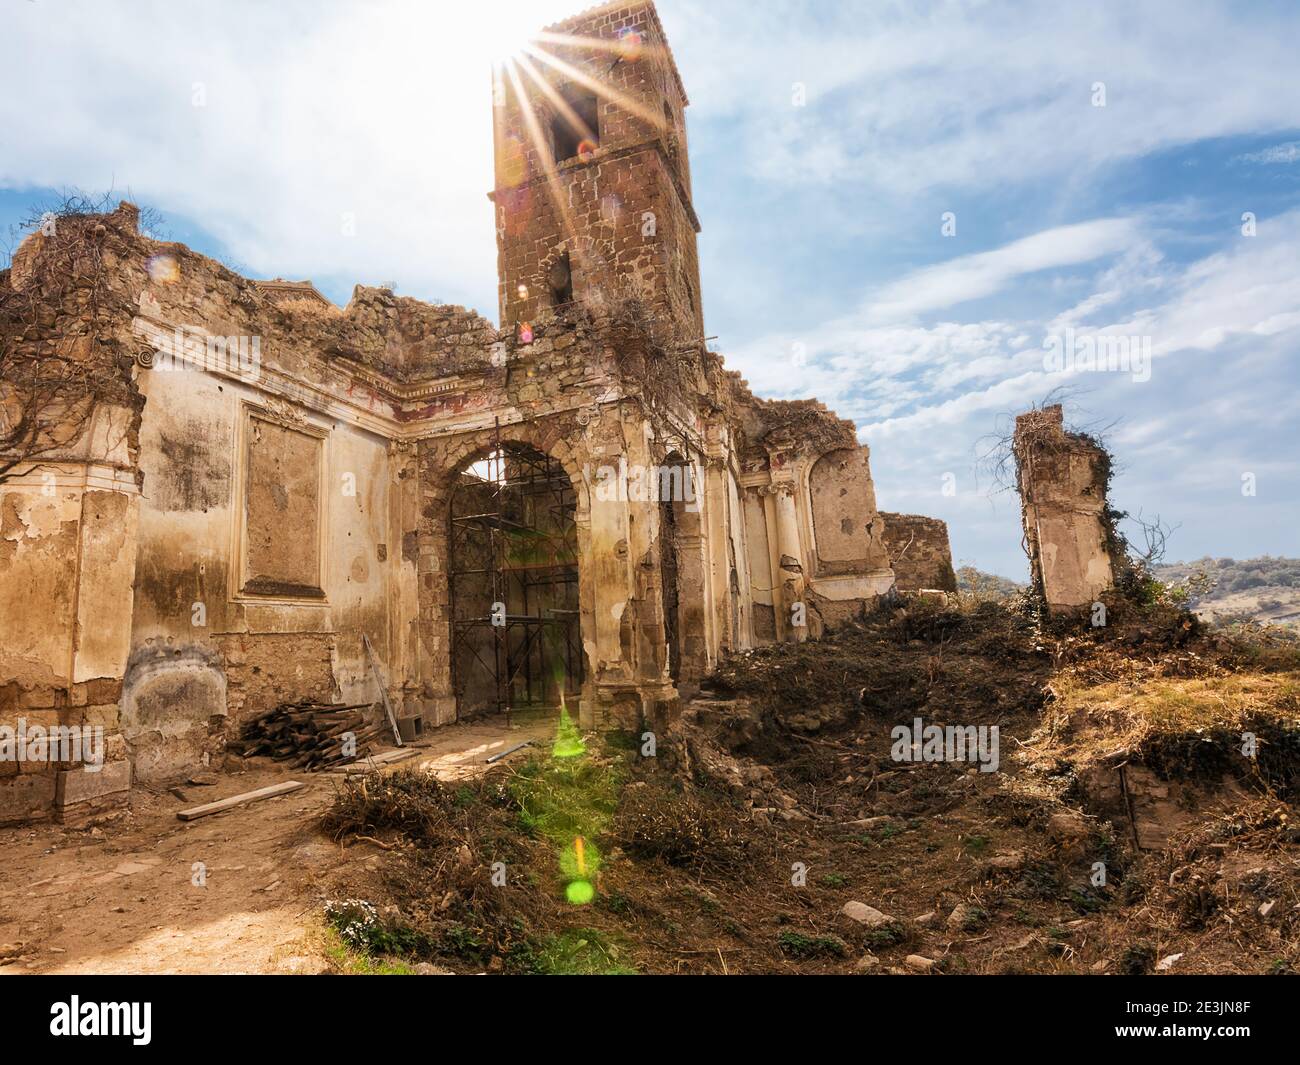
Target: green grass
x,y
580,952
561,800
798,945
355,963
886,936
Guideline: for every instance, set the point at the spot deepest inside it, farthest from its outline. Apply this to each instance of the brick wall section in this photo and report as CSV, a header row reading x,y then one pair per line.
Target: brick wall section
x,y
622,212
919,552
39,790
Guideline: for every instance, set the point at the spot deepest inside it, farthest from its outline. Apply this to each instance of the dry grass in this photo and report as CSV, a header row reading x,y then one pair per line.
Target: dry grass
x,y
310,308
691,881
1155,719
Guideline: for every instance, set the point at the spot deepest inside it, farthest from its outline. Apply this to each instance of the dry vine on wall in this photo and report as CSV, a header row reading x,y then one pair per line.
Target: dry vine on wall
x,y
55,375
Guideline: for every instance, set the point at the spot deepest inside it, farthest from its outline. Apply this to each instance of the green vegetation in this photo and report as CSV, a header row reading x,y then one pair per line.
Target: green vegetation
x,y
561,800
361,930
1223,590
580,952
355,963
1226,590
798,945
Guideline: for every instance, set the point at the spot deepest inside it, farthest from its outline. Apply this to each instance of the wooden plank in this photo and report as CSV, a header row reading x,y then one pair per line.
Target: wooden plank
x,y
374,761
238,800
383,689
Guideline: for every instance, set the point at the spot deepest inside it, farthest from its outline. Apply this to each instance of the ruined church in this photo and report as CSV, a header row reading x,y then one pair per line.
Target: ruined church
x,y
274,499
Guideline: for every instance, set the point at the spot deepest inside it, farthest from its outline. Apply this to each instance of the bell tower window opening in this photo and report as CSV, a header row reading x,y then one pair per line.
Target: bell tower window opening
x,y
575,130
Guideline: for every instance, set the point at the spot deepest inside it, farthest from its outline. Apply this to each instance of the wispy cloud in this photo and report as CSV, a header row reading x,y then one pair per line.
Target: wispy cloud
x,y
972,277
908,98
925,394
1279,153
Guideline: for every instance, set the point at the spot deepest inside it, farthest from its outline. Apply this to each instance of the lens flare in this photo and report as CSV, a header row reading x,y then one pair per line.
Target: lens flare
x,y
580,892
513,161
586,149
522,290
579,865
568,743
630,45
525,333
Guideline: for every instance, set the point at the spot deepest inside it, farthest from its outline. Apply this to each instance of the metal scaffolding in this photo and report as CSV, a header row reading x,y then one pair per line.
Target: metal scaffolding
x,y
513,579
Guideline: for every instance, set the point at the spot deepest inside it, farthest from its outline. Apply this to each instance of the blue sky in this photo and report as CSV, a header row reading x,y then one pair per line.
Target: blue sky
x,y
254,128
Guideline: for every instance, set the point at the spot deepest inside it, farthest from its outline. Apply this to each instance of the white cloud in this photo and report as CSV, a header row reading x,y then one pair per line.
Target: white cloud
x,y
880,356
881,363
906,98
972,277
313,110
927,397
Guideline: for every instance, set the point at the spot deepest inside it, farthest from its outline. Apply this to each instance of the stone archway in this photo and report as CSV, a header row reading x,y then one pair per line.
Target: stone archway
x,y
441,461
513,584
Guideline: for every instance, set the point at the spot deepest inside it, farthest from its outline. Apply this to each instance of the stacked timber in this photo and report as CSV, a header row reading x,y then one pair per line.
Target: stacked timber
x,y
309,735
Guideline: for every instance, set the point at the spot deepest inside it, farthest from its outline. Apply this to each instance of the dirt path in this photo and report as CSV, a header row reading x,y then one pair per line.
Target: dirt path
x,y
236,892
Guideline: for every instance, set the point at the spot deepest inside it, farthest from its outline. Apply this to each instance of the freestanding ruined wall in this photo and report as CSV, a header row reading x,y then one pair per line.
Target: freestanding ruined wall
x,y
919,552
1062,478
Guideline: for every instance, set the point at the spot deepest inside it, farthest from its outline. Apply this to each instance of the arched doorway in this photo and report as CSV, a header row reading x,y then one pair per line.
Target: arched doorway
x,y
513,583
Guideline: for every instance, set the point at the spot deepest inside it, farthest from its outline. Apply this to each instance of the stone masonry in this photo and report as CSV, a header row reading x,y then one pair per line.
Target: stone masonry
x,y
919,552
269,478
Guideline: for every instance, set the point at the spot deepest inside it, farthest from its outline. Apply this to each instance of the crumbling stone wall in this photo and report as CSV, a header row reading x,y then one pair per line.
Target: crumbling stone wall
x,y
266,669
919,552
65,589
816,552
128,577
68,521
273,481
1063,477
267,521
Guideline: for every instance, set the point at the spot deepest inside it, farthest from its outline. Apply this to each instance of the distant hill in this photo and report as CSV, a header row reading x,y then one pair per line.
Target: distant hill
x,y
987,585
1256,589
1259,589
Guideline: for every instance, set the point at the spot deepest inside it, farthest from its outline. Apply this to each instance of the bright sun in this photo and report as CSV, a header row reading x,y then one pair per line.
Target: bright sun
x,y
509,42
499,30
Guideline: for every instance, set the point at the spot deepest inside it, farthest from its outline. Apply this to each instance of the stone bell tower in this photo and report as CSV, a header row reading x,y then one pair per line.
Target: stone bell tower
x,y
593,186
